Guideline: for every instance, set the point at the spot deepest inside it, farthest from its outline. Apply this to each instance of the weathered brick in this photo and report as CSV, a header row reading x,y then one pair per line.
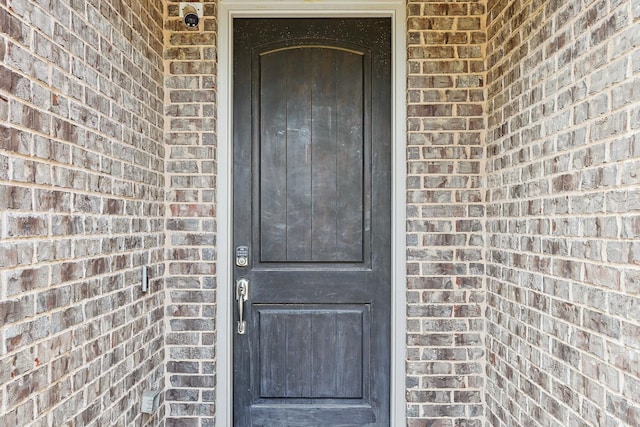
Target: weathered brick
x,y
16,310
534,50
601,100
51,72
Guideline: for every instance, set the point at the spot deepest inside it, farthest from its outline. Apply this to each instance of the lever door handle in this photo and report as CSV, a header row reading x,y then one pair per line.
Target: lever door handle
x,y
242,295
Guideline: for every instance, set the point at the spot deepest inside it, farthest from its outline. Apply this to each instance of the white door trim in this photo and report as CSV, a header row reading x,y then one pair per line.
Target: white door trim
x,y
227,10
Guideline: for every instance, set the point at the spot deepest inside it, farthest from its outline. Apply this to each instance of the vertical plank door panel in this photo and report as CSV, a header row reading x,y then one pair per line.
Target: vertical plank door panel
x,y
324,174
294,361
350,157
273,175
299,105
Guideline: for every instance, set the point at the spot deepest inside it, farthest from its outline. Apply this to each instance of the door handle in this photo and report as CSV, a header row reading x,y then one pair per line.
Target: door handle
x,y
242,295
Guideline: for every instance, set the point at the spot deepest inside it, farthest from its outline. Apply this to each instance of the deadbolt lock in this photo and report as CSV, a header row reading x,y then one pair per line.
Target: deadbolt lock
x,y
242,256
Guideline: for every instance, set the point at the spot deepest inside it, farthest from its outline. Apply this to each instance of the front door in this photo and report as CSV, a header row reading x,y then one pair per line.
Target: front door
x,y
312,222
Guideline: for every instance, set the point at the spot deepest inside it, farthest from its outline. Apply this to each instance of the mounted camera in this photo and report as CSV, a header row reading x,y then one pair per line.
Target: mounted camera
x,y
191,13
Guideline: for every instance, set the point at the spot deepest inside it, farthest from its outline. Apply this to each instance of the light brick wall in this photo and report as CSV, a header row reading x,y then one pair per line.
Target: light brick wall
x,y
190,82
563,213
445,213
87,195
81,208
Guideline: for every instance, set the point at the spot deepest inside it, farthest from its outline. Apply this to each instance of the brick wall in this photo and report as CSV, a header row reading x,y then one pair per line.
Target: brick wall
x,y
81,209
445,213
92,95
563,213
190,108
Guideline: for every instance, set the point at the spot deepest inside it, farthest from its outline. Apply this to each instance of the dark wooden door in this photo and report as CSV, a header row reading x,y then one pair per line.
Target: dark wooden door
x,y
312,207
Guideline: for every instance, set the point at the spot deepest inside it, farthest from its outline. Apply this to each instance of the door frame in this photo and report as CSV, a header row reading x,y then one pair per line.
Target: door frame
x,y
227,11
